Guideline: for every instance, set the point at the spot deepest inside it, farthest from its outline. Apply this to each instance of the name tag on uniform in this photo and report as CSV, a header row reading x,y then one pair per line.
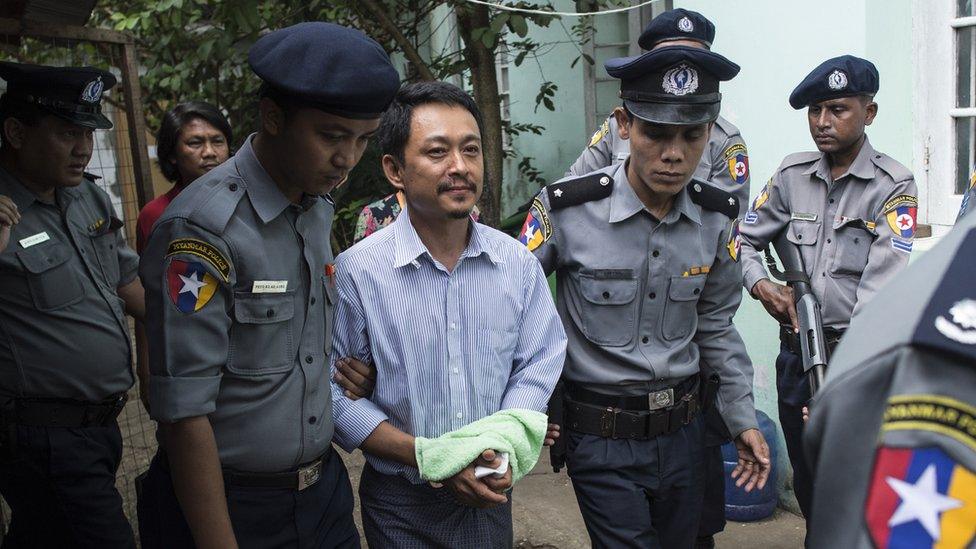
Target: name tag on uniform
x,y
269,287
36,239
803,216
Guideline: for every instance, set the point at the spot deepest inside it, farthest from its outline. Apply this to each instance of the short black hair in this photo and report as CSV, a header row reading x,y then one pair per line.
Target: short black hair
x,y
173,121
28,113
394,130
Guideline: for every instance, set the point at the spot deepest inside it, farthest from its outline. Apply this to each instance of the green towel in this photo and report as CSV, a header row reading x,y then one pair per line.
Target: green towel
x,y
520,433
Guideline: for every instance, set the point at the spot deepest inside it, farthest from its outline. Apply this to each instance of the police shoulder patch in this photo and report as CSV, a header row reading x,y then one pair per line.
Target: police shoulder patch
x,y
204,250
571,192
948,323
600,133
537,228
189,285
737,159
734,242
712,198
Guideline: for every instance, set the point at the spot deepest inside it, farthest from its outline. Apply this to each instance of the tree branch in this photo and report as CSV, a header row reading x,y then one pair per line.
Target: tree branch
x,y
408,50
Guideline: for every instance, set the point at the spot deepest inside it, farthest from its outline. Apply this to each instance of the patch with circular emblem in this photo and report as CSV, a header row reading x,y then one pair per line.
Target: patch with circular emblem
x,y
685,25
93,91
680,80
837,80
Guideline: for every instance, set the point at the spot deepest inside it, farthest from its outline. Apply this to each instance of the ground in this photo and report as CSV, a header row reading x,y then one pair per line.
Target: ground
x,y
546,515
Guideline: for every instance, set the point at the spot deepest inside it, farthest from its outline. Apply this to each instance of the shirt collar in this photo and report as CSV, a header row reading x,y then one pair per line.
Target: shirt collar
x,y
624,202
266,197
408,246
862,167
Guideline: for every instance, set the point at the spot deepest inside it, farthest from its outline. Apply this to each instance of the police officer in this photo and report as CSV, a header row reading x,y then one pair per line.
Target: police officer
x,y
238,275
67,279
725,162
851,211
646,262
908,478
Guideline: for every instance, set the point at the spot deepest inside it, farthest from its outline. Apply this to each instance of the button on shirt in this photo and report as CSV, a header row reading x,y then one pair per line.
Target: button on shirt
x,y
449,347
63,330
844,227
645,301
245,343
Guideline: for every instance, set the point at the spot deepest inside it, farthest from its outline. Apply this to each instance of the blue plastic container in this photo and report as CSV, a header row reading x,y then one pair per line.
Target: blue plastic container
x,y
741,506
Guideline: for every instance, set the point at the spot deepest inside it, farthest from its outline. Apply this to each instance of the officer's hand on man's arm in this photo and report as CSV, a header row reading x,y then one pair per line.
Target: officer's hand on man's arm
x,y
356,378
752,471
778,301
9,216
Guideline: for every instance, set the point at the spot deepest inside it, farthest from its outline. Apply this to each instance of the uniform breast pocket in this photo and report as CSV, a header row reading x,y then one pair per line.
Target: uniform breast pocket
x,y
262,338
53,284
108,257
803,233
681,310
329,293
853,246
609,305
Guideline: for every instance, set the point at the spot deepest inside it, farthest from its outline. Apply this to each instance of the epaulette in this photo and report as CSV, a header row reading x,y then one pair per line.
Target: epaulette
x,y
729,128
217,200
579,190
712,198
796,159
948,323
91,176
895,169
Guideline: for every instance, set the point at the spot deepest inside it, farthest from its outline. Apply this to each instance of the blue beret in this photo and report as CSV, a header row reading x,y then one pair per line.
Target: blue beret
x,y
72,93
677,24
843,76
330,67
673,85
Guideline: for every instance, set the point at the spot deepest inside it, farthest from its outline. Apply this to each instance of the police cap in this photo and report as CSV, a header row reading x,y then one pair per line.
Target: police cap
x,y
72,93
677,24
673,85
844,76
330,67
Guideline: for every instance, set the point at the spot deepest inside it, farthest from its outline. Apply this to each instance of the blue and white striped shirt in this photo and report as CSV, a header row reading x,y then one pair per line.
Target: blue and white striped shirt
x,y
449,347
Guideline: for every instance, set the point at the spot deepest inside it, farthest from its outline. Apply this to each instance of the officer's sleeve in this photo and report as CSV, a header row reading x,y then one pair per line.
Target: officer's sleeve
x,y
540,347
598,153
354,419
538,233
768,215
730,168
892,247
188,276
719,343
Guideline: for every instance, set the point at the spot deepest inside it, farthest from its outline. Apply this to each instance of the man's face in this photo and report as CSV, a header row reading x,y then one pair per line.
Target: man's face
x,y
836,125
663,156
53,153
200,147
443,169
317,150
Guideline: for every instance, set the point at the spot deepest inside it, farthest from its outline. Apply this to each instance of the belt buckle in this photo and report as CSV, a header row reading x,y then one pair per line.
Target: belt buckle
x,y
660,399
309,475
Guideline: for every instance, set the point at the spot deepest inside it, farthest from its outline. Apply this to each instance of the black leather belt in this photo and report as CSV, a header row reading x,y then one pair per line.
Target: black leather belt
x,y
304,477
62,412
791,339
632,417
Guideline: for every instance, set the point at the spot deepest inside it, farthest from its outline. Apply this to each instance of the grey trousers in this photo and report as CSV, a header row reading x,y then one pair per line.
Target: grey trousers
x,y
398,514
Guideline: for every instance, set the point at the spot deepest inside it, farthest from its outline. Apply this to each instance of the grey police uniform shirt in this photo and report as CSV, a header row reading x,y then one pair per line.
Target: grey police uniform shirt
x,y
63,330
644,302
725,162
892,434
239,304
845,228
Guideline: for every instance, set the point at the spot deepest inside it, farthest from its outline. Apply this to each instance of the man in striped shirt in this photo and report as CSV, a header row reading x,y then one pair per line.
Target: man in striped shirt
x,y
456,316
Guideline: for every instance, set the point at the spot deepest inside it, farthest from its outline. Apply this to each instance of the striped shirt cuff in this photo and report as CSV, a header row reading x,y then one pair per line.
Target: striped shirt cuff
x,y
358,419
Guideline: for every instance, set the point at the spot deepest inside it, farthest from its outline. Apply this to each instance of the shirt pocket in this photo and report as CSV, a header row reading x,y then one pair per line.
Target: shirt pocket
x,y
53,284
854,242
803,233
108,257
330,295
495,358
262,338
609,305
681,310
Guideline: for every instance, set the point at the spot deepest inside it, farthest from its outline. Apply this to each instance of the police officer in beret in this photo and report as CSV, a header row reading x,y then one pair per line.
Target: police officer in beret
x,y
646,258
849,208
725,162
240,292
67,281
908,478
